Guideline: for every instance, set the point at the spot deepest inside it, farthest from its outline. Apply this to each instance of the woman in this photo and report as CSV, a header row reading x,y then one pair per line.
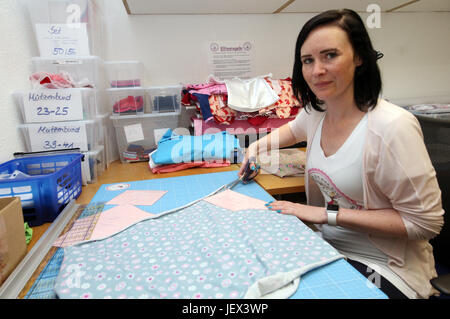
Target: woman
x,y
370,184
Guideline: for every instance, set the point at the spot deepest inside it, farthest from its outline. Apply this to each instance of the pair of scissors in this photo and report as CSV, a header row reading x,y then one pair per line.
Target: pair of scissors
x,y
248,175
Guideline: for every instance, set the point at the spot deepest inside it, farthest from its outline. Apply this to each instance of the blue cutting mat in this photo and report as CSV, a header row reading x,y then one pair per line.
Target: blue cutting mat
x,y
335,280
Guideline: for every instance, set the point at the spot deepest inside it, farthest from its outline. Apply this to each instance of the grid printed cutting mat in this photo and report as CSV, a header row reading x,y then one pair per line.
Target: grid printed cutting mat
x,y
335,280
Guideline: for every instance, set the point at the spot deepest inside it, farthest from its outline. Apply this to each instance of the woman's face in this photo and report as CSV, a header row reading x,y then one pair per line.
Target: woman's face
x,y
328,63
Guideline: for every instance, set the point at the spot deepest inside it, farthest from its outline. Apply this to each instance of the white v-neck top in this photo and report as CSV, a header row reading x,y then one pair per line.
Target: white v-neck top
x,y
339,177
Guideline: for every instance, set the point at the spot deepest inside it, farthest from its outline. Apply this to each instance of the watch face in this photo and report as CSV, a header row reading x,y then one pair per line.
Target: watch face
x,y
332,207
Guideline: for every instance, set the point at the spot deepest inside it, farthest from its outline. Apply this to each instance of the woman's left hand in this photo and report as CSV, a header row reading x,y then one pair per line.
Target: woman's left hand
x,y
309,214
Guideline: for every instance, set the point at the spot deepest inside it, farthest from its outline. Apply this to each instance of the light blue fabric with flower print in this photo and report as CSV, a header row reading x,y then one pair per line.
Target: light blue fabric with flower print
x,y
202,251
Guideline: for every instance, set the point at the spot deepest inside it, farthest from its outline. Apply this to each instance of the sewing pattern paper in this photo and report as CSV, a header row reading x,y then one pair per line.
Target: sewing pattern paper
x,y
235,201
131,197
116,219
202,251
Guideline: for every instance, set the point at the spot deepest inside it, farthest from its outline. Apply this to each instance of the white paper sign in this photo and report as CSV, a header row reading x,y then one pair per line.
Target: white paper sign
x,y
52,136
229,59
52,105
60,40
133,133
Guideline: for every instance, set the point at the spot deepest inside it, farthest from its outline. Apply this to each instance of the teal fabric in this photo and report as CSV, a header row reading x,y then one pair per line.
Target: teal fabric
x,y
173,149
202,251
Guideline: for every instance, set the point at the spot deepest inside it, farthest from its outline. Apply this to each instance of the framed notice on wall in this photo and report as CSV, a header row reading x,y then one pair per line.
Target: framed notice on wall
x,y
229,59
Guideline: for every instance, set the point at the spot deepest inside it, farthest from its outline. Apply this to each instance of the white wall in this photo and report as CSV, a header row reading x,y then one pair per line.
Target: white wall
x,y
16,49
173,47
173,50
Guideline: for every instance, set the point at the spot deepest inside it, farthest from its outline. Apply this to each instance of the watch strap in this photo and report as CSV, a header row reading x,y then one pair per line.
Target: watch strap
x,y
332,212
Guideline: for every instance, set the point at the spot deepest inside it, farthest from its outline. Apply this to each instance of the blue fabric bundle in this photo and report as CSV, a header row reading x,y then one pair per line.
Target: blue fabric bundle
x,y
173,148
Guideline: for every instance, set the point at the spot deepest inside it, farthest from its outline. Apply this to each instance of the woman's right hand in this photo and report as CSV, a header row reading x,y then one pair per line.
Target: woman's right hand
x,y
250,157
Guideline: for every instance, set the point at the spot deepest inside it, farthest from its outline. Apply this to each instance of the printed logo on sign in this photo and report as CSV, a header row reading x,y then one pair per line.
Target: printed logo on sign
x,y
247,46
214,47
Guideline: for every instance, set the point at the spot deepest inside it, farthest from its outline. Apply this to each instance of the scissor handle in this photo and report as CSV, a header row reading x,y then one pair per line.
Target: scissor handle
x,y
247,176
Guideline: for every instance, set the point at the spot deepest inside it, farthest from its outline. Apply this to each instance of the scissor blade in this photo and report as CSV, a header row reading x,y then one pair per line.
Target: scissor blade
x,y
233,183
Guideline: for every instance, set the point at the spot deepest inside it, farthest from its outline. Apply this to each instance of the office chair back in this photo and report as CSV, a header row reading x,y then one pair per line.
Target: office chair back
x,y
436,132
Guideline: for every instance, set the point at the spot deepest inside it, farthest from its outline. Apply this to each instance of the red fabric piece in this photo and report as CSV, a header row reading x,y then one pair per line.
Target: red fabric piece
x,y
186,99
257,120
130,103
182,166
52,81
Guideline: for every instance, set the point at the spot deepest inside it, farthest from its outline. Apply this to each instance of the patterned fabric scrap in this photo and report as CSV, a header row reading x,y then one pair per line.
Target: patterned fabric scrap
x,y
284,162
201,251
81,230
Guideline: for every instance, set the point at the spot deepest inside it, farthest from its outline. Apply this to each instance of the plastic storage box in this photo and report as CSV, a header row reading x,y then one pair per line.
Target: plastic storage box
x,y
109,139
84,70
187,114
93,165
58,105
165,98
45,184
127,101
67,27
85,135
123,74
137,136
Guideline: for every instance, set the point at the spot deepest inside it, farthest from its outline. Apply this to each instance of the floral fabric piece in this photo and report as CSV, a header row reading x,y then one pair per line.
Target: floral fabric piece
x,y
201,251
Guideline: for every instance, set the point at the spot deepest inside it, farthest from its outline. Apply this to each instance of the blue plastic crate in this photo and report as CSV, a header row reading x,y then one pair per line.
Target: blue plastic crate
x,y
52,182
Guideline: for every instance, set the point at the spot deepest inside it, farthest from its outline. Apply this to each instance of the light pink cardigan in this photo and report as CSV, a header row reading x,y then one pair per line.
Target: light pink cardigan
x,y
397,174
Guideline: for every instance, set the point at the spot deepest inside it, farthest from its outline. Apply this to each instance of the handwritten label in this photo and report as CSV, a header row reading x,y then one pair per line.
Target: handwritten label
x,y
52,136
133,133
61,40
52,105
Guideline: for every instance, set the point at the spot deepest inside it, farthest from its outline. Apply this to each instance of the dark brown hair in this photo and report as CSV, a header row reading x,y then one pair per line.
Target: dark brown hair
x,y
367,78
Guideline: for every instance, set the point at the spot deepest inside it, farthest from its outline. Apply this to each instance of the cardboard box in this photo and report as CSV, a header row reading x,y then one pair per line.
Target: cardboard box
x,y
13,245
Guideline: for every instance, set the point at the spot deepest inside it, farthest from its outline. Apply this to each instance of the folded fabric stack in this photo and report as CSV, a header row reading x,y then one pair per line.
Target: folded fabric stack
x,y
130,104
179,152
255,100
136,153
429,108
125,83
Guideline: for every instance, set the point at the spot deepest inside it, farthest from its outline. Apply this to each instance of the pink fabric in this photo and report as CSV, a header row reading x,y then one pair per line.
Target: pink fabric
x,y
62,80
51,81
182,166
208,89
